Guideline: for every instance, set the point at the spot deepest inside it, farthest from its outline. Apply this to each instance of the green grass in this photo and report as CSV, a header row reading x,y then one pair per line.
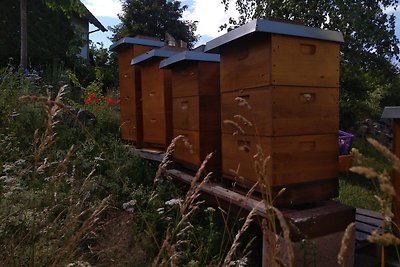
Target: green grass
x,y
356,190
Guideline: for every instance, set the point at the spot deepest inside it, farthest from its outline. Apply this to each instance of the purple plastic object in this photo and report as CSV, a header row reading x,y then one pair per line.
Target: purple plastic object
x,y
345,142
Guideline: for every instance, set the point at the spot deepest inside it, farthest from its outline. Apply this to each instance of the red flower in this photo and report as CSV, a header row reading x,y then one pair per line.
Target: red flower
x,y
110,101
99,99
91,96
89,99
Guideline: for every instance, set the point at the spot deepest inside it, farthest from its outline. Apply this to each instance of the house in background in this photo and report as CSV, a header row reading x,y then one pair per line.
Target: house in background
x,y
82,23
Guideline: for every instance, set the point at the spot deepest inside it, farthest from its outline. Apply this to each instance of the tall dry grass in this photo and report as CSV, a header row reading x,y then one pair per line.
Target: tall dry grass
x,y
384,235
189,204
274,226
53,213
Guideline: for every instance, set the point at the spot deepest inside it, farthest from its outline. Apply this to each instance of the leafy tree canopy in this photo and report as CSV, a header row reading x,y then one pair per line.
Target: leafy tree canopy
x,y
50,33
154,18
68,7
367,72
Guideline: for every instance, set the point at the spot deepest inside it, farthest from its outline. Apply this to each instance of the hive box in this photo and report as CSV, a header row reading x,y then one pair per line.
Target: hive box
x,y
130,86
284,110
196,107
156,97
274,53
280,92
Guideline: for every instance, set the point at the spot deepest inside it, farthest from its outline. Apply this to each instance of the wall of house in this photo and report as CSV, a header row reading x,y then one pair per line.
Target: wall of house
x,y
83,26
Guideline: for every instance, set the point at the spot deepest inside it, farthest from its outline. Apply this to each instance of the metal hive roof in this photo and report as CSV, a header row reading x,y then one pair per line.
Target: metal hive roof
x,y
189,56
135,41
269,26
391,113
163,53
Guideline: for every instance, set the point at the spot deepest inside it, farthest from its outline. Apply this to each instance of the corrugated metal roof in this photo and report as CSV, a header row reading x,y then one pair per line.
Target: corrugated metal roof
x,y
391,113
269,26
189,56
162,52
135,41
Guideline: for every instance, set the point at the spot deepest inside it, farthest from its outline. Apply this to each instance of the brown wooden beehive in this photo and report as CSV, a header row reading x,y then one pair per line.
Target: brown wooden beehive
x,y
196,107
279,92
130,86
156,97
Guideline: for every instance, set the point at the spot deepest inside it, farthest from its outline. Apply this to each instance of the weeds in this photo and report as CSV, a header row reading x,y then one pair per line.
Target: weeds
x,y
55,195
61,205
382,236
280,250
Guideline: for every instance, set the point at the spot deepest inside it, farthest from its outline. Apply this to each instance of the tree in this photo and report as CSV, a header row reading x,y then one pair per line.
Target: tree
x,y
48,36
24,36
367,71
154,18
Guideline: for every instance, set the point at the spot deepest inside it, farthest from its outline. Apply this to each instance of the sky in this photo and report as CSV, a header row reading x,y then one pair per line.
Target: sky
x,y
210,15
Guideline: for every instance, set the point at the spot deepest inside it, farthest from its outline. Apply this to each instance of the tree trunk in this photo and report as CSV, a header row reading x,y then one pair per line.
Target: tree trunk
x,y
24,35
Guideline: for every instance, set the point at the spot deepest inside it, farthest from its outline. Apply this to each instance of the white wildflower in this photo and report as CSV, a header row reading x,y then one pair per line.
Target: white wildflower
x,y
20,162
79,264
7,167
14,114
209,209
160,210
174,201
239,263
6,179
128,206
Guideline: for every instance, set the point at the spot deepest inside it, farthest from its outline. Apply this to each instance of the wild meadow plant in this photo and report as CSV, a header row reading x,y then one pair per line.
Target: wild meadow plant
x,y
57,192
46,211
384,235
90,204
274,226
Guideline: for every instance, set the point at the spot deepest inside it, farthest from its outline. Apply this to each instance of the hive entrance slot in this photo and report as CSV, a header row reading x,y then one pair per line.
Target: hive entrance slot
x,y
308,49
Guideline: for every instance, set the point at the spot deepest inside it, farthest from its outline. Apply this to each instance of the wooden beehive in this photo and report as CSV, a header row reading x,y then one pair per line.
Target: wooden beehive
x,y
156,97
284,110
196,107
130,86
280,93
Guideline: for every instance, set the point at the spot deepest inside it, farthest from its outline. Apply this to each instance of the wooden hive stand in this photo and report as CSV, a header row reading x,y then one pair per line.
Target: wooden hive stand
x,y
289,76
156,97
130,85
196,107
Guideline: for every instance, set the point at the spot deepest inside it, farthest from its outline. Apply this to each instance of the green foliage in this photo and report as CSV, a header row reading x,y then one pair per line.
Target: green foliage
x,y
368,77
50,33
356,190
105,64
68,7
155,18
102,68
51,201
63,187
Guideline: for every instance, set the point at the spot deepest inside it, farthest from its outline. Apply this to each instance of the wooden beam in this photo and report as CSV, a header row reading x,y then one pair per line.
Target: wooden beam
x,y
150,154
316,219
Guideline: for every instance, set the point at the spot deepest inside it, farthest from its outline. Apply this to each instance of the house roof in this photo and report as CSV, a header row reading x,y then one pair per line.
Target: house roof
x,y
93,20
